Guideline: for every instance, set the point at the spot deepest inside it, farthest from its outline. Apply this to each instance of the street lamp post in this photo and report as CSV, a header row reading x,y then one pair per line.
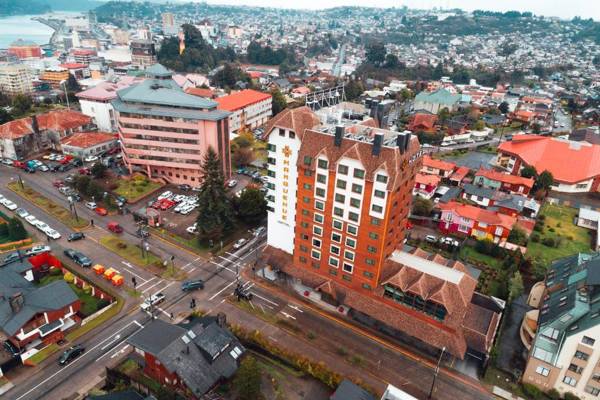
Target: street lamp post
x,y
63,83
435,373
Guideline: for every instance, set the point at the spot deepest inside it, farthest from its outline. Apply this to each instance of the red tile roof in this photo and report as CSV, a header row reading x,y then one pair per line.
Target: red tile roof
x,y
200,92
241,99
87,139
295,119
460,174
505,178
438,164
468,211
427,179
73,66
568,161
423,121
59,120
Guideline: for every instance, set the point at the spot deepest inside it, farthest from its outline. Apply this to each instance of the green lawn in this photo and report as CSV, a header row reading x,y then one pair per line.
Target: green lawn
x,y
43,354
59,212
471,255
574,239
129,251
135,188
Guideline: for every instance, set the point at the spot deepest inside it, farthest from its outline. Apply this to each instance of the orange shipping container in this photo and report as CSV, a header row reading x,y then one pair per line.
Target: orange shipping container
x,y
117,280
98,269
109,273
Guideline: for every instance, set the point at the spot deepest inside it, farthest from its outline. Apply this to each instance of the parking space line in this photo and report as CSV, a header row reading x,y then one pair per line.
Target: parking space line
x,y
148,281
164,312
222,290
150,287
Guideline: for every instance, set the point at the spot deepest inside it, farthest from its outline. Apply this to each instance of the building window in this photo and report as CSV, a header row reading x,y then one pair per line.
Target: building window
x,y
321,178
355,203
320,192
305,212
369,261
334,250
377,209
575,368
351,243
346,278
381,178
351,229
340,198
334,262
306,200
581,355
336,237
316,243
348,255
307,172
307,160
375,221
307,186
322,164
338,224
592,390
302,259
292,135
368,274
379,193
318,218
319,205
332,271
315,265
271,147
271,173
352,216
348,268
317,230
304,224
542,371
415,301
373,235
371,249
341,184
281,132
356,188
342,169
338,211
366,286
588,340
315,254
359,173
570,381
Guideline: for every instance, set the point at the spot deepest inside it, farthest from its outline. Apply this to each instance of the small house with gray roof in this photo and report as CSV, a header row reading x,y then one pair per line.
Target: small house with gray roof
x,y
190,358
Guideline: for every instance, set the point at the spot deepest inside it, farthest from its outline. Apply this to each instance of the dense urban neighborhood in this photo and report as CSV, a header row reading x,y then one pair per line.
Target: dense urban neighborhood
x,y
214,202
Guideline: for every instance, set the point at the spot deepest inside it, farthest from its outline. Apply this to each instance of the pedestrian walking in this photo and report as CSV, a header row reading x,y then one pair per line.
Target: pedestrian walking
x,y
171,316
92,221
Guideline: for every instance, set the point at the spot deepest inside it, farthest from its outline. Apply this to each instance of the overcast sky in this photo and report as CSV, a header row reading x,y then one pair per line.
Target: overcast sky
x,y
559,8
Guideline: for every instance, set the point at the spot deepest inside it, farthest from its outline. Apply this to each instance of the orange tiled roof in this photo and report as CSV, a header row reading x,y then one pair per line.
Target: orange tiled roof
x,y
241,99
460,173
468,211
506,178
59,120
427,179
422,119
200,92
438,164
568,161
87,139
295,119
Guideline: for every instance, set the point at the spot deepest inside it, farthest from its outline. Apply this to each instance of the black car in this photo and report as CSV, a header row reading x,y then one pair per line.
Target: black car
x,y
71,354
188,286
75,236
184,187
76,162
79,258
11,348
10,258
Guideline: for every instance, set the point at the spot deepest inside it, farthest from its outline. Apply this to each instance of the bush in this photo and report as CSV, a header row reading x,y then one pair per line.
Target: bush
x,y
553,394
535,237
550,242
3,229
532,391
139,189
538,227
571,396
541,217
69,277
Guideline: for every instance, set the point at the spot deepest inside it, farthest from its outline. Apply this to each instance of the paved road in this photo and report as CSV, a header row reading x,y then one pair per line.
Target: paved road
x,y
106,344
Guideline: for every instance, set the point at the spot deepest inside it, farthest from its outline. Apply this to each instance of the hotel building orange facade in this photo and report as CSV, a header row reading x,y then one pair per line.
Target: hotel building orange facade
x,y
165,132
339,198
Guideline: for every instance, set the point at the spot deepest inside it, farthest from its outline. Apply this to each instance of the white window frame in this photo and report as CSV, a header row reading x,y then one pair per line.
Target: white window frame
x,y
540,369
336,260
351,267
353,245
341,224
313,252
338,234
317,230
348,230
320,215
318,240
351,253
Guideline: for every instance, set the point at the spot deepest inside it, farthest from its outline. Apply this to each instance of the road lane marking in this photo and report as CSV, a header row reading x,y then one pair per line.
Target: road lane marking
x,y
233,255
117,353
73,363
148,281
224,267
165,288
295,307
150,287
221,291
121,342
240,266
287,315
265,299
131,272
117,337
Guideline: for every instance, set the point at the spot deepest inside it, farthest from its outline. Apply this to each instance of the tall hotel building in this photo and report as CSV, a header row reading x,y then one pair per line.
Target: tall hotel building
x,y
165,132
339,198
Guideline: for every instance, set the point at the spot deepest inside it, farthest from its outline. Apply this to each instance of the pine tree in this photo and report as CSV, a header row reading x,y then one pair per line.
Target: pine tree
x,y
16,230
253,206
247,379
215,213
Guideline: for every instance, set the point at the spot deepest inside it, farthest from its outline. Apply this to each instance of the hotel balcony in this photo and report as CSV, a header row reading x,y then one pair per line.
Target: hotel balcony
x,y
528,328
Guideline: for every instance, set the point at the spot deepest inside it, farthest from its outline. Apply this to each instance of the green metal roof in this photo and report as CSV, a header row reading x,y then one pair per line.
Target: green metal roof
x,y
164,92
153,110
158,71
441,96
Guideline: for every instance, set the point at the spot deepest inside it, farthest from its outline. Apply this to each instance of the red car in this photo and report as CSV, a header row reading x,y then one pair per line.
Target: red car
x,y
156,205
19,164
114,227
165,204
84,171
101,211
58,183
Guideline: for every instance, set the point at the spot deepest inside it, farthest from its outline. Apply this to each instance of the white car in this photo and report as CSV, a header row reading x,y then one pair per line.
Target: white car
x,y
38,163
7,161
10,205
32,220
21,212
154,300
90,158
187,210
165,195
192,229
37,250
179,198
41,225
91,205
232,183
259,231
240,243
431,239
52,233
264,179
43,168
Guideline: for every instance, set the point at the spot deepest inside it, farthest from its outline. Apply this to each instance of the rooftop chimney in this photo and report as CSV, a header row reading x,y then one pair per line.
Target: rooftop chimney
x,y
407,142
221,320
401,142
16,302
34,125
377,142
339,134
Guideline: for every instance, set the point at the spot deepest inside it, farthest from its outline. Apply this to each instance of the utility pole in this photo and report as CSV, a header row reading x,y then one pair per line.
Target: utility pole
x,y
435,373
21,182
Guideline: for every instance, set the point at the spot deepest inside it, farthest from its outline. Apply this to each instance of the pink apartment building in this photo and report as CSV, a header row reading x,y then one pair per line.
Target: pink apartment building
x,y
165,132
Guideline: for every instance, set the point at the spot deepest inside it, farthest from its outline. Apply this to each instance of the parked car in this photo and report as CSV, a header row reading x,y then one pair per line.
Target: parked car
x,y
152,301
189,286
90,158
232,183
44,168
71,354
9,204
35,250
192,229
10,258
240,243
101,211
11,348
165,195
259,231
114,227
78,257
41,225
430,239
165,204
7,161
52,233
184,187
31,220
75,236
91,205
19,164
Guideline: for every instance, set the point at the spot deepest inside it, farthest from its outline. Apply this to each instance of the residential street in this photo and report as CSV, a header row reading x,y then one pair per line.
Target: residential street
x,y
382,362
